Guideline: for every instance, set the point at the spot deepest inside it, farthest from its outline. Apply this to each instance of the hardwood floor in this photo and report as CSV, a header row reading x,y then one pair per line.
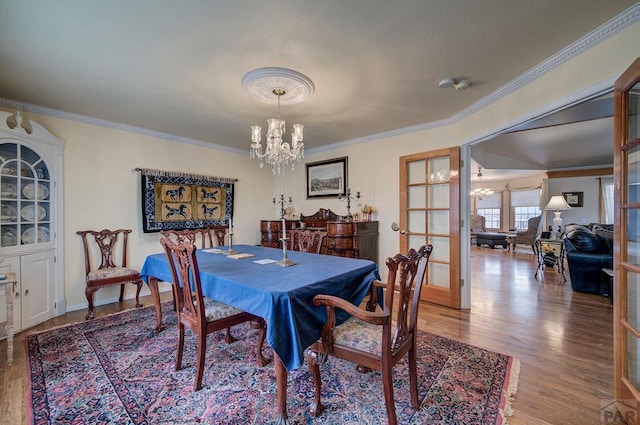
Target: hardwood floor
x,y
562,339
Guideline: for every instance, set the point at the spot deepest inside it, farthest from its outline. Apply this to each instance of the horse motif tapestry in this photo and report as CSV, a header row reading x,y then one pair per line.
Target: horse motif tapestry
x,y
177,201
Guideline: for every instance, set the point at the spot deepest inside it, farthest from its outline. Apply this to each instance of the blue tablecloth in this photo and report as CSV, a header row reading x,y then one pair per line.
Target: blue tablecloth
x,y
281,295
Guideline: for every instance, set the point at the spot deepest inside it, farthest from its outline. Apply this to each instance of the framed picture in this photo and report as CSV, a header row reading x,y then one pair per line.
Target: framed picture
x,y
327,178
574,199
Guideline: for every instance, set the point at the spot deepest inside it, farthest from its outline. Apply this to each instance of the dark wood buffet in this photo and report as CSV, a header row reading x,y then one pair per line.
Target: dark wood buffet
x,y
355,239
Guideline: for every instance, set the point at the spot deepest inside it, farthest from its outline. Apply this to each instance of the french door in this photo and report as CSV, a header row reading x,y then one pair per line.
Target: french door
x,y
430,213
626,257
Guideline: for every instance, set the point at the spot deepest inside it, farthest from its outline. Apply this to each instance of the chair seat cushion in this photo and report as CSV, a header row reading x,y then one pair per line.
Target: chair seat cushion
x,y
215,310
360,335
112,272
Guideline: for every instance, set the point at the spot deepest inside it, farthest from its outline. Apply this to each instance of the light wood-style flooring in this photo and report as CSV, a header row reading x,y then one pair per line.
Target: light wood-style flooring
x,y
562,339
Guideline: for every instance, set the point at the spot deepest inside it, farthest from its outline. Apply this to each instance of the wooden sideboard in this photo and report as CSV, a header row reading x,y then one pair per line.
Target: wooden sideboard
x,y
271,231
354,239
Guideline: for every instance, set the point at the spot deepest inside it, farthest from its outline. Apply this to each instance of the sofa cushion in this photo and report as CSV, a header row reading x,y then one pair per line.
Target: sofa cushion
x,y
606,239
583,239
592,226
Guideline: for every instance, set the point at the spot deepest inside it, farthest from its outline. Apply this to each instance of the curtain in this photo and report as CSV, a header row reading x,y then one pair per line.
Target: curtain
x,y
605,210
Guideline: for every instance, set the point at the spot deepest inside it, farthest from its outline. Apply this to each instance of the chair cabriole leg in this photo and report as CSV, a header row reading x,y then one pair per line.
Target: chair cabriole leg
x,y
316,407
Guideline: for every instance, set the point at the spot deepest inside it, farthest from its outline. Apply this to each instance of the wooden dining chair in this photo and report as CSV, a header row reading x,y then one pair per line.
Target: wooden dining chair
x,y
306,240
201,238
110,246
202,315
376,339
217,234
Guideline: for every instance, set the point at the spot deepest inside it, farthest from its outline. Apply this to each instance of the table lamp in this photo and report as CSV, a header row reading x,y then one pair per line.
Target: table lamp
x,y
558,204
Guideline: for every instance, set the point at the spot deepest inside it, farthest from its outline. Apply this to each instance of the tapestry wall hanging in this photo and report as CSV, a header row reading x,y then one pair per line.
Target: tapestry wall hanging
x,y
176,201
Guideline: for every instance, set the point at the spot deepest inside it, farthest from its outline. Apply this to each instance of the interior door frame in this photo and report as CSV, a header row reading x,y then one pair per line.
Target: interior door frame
x,y
601,88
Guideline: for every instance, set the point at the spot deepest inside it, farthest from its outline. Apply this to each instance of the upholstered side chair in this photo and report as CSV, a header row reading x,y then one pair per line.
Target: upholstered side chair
x,y
477,224
375,339
529,236
110,247
202,315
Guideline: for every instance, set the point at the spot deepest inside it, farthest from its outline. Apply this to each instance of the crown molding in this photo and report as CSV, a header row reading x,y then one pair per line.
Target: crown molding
x,y
36,109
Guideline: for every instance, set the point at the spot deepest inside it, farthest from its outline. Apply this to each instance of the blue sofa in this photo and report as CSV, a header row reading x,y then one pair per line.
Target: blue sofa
x,y
589,249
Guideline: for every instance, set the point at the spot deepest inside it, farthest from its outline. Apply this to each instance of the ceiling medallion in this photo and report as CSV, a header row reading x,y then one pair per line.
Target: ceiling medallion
x,y
282,87
260,84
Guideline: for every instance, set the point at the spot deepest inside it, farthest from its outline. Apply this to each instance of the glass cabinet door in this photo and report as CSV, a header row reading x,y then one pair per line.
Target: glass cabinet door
x,y
627,243
25,202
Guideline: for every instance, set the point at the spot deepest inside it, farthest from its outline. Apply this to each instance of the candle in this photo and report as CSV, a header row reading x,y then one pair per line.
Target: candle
x,y
284,229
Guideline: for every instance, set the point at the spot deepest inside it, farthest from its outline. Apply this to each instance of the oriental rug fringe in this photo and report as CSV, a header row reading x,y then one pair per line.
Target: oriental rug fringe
x,y
118,370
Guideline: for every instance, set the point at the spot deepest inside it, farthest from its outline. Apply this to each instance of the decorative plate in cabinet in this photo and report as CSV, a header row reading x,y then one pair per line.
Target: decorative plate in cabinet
x,y
9,237
8,190
8,213
31,212
29,235
29,191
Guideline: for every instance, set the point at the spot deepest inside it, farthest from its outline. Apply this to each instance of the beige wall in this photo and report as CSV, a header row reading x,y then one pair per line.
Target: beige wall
x,y
102,190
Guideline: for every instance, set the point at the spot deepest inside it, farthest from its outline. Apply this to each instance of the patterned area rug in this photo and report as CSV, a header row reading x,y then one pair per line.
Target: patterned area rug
x,y
116,370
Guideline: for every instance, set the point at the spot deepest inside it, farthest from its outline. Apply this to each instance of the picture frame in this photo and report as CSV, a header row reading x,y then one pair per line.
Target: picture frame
x,y
327,178
574,199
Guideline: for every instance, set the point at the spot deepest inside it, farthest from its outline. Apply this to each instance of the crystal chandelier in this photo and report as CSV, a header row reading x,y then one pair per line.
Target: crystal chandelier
x,y
480,192
269,84
278,153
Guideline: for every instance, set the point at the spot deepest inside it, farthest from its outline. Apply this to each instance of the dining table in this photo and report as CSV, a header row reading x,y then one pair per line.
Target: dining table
x,y
253,281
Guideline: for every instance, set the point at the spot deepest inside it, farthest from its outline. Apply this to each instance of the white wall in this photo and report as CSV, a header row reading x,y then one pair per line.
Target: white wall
x,y
102,190
581,215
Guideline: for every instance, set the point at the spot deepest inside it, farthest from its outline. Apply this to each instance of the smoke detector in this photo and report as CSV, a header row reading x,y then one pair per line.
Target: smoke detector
x,y
461,85
451,82
446,82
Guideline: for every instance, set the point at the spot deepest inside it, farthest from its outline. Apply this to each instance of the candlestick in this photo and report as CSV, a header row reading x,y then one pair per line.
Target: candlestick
x,y
348,197
285,262
231,251
282,203
284,229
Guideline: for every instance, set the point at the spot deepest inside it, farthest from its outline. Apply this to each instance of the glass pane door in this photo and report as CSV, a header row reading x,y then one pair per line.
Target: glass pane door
x,y
429,214
626,260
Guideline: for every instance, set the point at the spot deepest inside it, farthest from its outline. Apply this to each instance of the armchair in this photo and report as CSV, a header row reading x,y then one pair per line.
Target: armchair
x,y
477,224
376,339
529,236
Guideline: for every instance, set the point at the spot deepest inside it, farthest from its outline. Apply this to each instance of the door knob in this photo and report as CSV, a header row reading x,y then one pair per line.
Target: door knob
x,y
26,292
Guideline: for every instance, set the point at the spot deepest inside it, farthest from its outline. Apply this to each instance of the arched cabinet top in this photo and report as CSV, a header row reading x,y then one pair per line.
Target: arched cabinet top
x,y
14,125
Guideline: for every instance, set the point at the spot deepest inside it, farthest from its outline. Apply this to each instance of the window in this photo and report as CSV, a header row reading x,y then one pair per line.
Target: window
x,y
491,217
490,208
525,204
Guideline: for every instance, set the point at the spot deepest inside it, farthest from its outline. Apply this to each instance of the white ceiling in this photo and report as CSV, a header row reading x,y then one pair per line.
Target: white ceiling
x,y
174,68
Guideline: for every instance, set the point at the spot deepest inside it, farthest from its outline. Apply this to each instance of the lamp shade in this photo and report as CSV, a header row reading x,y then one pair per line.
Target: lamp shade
x,y
557,203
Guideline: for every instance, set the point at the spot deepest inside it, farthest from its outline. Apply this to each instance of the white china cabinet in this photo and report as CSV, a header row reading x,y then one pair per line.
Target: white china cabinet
x,y
31,219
